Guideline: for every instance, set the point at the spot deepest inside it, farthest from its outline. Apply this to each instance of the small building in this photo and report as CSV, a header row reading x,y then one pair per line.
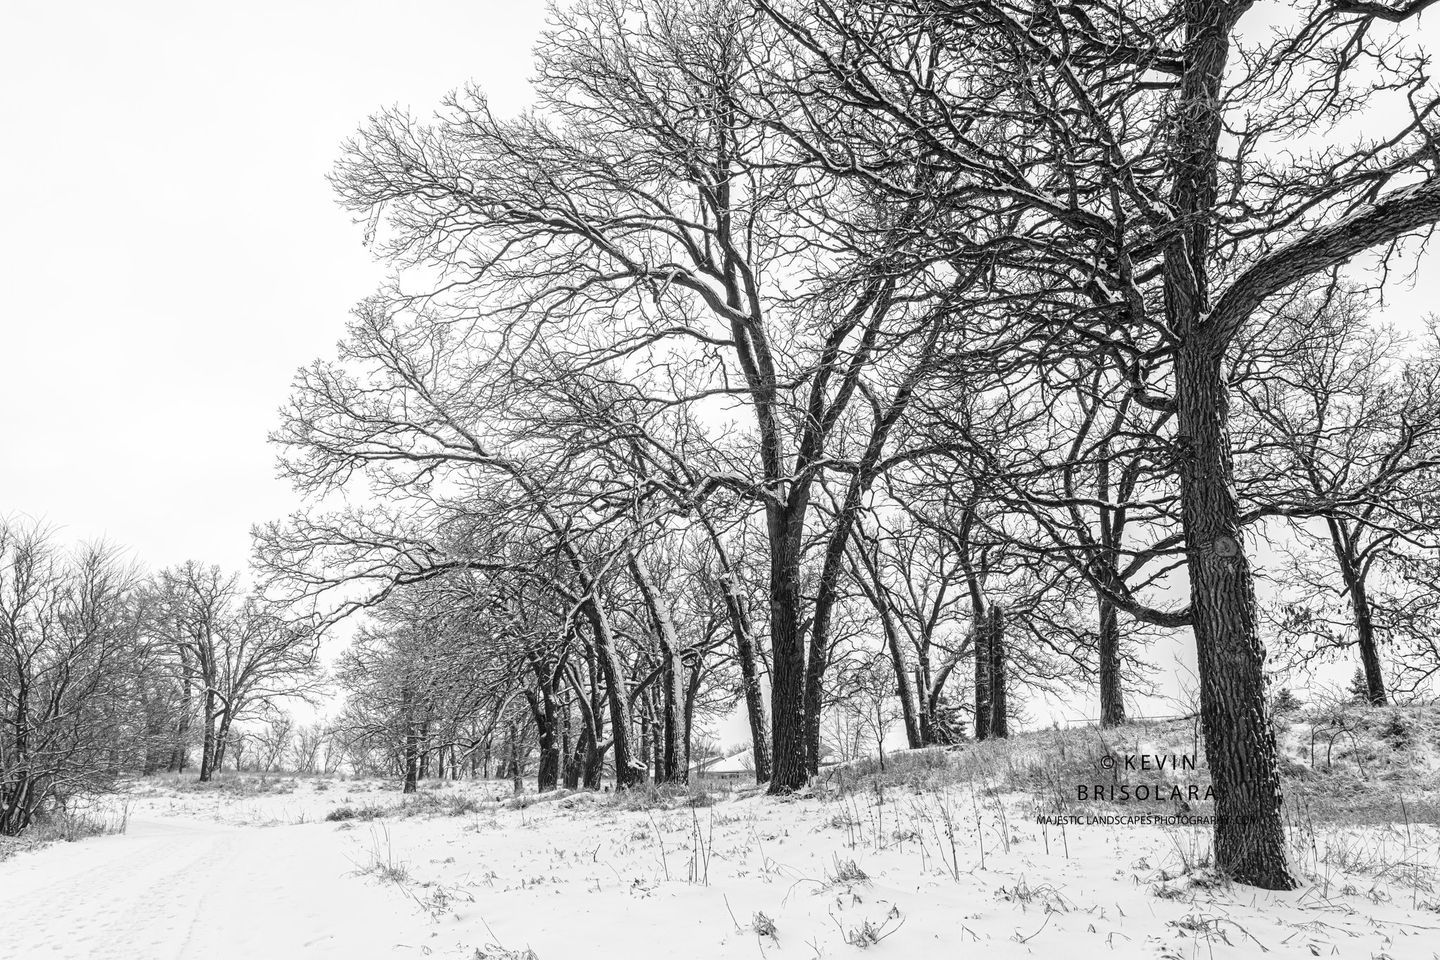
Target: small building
x,y
737,770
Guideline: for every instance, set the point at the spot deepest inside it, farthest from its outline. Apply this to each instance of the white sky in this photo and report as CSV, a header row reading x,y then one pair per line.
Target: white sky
x,y
170,252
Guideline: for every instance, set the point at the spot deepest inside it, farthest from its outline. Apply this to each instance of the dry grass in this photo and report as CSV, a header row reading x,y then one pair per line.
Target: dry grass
x,y
68,825
229,782
663,796
1362,790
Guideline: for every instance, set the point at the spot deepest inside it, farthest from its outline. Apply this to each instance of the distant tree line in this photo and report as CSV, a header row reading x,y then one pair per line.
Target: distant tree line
x,y
107,672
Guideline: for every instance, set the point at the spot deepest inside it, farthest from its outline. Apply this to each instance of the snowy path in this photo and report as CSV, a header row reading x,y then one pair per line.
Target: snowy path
x,y
216,875
172,889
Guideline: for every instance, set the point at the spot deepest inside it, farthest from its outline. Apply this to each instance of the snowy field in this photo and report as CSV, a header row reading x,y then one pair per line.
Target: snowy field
x,y
254,869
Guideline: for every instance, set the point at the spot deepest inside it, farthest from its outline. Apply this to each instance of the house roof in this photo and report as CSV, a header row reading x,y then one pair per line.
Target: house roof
x,y
739,763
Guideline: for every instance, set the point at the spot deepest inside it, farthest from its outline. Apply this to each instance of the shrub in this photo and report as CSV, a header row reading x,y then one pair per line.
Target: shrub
x,y
663,796
367,812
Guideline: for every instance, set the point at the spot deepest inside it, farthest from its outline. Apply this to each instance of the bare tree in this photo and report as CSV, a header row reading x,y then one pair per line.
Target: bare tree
x,y
244,654
1343,433
70,653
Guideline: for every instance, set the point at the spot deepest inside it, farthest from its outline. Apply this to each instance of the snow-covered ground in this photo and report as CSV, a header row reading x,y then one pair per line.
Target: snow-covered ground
x,y
955,872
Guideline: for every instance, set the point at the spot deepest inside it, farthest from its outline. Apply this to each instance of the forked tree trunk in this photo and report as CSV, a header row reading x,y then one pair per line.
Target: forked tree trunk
x,y
207,749
869,579
1239,740
222,741
674,734
629,769
1359,596
543,709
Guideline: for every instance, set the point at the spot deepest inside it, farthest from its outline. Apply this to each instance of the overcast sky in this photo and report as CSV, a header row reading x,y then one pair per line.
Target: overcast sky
x,y
170,251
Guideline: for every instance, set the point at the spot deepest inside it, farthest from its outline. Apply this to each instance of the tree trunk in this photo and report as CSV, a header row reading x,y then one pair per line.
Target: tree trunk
x,y
999,707
645,748
1239,739
180,752
207,749
1112,701
983,661
754,702
544,709
1359,595
517,776
411,750
787,654
673,732
569,750
692,696
222,741
629,770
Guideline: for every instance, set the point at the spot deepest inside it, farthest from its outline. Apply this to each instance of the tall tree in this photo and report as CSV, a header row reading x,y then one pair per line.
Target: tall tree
x,y
1143,229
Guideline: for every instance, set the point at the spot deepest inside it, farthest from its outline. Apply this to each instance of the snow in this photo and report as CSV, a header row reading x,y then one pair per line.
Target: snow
x,y
739,763
224,876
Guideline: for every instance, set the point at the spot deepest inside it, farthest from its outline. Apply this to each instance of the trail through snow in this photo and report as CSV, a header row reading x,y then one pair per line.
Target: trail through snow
x,y
261,874
177,889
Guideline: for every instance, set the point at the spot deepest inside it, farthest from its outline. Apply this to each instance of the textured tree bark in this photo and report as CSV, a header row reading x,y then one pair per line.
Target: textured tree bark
x,y
1239,739
180,754
754,703
410,744
1365,640
570,750
926,718
411,758
911,712
222,741
787,682
645,749
1112,700
984,712
751,689
674,734
592,770
629,769
542,706
207,749
593,766
913,735
517,778
999,707
1364,619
